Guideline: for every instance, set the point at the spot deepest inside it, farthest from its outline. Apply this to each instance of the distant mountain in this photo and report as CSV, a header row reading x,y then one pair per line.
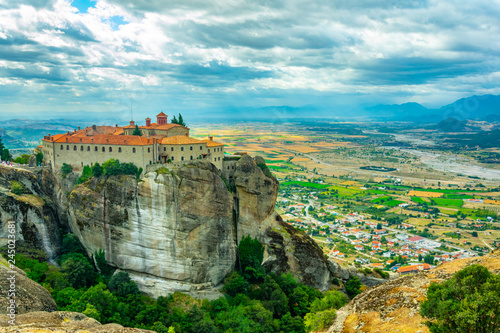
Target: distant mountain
x,y
403,112
485,107
9,141
474,107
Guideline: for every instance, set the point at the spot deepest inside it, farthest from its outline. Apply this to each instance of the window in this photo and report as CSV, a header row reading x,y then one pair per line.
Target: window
x,y
103,149
219,158
164,148
172,158
110,149
182,158
119,149
191,148
62,147
74,147
149,150
172,149
182,148
133,150
191,156
200,147
88,148
67,147
81,148
209,150
95,148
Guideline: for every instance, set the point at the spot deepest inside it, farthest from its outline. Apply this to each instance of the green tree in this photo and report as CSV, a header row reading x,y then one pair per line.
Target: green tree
x,y
320,320
66,169
429,259
97,170
111,167
174,120
121,285
137,131
236,284
474,234
78,269
23,159
39,158
353,287
468,302
251,255
86,175
181,121
102,264
6,156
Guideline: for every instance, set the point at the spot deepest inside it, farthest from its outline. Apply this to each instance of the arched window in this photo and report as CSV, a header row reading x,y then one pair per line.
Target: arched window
x,y
191,156
74,147
67,147
88,148
182,158
133,150
110,149
209,150
95,148
81,148
172,149
62,147
182,148
119,149
200,148
149,150
103,149
172,158
164,148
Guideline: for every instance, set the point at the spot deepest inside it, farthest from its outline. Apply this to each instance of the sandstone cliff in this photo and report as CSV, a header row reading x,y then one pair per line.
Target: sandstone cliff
x,y
61,322
30,296
394,305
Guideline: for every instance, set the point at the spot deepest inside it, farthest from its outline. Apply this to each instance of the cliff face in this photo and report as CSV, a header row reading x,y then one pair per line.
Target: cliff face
x,y
394,305
176,230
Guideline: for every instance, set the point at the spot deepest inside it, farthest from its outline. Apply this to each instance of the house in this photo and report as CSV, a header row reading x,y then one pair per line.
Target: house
x,y
379,231
386,254
390,244
413,269
362,261
376,243
359,247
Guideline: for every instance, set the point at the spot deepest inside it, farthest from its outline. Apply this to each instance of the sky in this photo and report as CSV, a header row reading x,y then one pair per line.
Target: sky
x,y
114,57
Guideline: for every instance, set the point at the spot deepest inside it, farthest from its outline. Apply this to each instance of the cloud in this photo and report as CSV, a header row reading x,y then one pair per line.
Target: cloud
x,y
194,53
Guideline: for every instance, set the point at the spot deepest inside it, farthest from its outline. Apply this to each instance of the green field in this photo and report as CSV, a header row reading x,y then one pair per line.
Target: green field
x,y
382,200
305,184
393,203
418,200
448,202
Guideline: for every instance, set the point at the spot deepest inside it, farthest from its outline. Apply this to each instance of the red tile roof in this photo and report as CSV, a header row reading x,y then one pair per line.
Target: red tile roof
x,y
129,140
161,114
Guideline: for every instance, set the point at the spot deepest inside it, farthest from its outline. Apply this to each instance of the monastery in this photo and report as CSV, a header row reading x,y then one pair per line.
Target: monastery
x,y
159,143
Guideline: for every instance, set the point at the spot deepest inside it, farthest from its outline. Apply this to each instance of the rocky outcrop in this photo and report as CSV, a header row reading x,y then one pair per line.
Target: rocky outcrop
x,y
29,295
175,229
395,305
61,322
33,211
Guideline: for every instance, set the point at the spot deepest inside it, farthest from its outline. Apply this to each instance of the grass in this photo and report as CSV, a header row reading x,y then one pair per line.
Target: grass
x,y
418,200
382,199
305,184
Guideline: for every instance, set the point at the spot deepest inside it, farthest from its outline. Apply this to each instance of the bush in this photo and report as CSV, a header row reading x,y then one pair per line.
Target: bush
x,y
468,302
353,287
97,170
17,188
79,271
86,175
39,158
320,320
66,169
383,275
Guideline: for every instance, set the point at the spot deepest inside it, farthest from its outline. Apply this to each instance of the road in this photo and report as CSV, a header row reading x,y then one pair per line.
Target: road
x,y
491,248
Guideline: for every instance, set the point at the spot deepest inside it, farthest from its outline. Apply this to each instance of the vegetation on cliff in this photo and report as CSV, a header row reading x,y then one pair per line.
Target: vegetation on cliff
x,y
468,302
254,301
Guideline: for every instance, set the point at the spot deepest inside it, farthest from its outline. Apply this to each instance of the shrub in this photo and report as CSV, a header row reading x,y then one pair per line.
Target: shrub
x,y
353,287
121,285
17,188
86,175
251,254
97,170
39,158
66,169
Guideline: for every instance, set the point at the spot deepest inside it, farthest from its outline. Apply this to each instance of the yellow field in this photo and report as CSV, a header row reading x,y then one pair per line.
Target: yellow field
x,y
349,183
492,202
300,159
425,194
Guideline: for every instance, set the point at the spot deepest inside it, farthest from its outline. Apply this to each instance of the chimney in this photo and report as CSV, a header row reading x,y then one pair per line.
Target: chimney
x,y
211,138
148,122
94,127
78,127
80,139
116,125
92,140
49,135
132,123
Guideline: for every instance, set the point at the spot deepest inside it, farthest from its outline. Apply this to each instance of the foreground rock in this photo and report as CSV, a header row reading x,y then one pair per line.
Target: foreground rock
x,y
30,296
394,306
60,322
